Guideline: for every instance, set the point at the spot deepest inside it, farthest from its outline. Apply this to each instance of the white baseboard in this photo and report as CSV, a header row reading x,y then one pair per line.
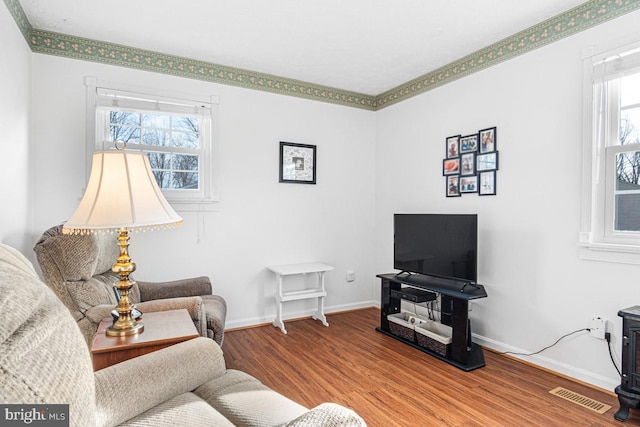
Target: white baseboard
x,y
255,321
561,368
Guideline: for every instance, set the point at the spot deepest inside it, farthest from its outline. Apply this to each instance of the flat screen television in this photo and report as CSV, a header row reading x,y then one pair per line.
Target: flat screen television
x,y
440,245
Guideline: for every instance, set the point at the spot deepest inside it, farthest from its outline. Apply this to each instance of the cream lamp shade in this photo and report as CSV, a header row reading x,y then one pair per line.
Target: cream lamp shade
x,y
121,193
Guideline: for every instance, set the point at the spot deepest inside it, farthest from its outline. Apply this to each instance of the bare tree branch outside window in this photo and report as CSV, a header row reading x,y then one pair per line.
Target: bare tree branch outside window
x,y
172,170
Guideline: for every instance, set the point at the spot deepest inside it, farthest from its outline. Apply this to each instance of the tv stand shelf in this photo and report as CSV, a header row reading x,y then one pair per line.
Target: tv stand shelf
x,y
455,298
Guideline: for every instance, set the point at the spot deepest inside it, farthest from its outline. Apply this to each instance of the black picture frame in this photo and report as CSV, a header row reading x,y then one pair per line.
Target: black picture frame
x,y
297,163
452,146
453,186
469,184
487,183
451,166
488,140
467,164
469,143
487,162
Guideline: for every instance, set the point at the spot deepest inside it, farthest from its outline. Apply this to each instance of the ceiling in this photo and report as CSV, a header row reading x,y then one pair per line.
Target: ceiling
x,y
365,46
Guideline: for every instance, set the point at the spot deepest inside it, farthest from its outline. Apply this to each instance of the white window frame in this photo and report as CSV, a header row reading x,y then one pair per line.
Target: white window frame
x,y
597,240
206,196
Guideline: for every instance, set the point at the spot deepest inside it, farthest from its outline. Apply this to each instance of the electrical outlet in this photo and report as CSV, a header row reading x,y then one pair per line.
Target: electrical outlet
x,y
598,327
351,276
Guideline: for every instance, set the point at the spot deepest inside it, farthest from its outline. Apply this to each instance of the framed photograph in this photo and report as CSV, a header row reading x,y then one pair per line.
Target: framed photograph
x,y
487,162
468,164
469,184
488,140
453,186
451,166
487,183
469,143
453,146
297,163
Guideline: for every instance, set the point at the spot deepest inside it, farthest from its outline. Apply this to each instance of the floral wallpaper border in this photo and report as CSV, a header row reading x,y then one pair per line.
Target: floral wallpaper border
x,y
575,20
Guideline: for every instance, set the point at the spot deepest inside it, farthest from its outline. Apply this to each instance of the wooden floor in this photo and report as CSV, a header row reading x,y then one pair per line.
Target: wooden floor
x,y
391,384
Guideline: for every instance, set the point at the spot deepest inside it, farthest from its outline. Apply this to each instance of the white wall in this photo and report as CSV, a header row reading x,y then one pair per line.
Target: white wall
x,y
15,71
538,287
259,222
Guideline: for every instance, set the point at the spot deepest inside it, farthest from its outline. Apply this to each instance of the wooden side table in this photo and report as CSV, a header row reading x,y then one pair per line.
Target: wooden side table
x,y
161,329
319,292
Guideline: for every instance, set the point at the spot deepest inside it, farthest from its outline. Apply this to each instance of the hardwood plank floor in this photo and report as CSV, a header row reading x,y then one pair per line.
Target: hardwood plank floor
x,y
391,384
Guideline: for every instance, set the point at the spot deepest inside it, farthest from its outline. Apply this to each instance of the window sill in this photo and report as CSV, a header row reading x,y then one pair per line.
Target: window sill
x,y
609,252
195,205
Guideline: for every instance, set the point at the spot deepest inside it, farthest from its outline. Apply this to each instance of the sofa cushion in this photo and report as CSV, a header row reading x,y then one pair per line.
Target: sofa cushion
x,y
244,400
183,410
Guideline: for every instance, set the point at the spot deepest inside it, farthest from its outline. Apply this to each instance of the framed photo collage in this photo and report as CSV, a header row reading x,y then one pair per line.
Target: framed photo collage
x,y
471,163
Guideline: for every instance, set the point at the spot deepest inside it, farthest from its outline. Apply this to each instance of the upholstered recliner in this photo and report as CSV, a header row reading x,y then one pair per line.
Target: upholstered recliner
x,y
78,269
44,361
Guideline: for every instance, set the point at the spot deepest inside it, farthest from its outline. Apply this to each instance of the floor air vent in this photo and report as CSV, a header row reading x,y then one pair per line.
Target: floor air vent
x,y
581,400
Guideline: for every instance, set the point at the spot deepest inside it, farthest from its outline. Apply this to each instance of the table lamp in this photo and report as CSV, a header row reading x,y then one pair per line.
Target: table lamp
x,y
121,196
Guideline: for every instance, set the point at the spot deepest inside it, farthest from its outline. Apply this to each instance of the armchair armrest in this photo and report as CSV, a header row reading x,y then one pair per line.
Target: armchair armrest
x,y
155,378
192,287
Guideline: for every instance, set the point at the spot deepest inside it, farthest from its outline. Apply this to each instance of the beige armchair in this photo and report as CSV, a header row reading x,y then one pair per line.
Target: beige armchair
x,y
78,269
44,361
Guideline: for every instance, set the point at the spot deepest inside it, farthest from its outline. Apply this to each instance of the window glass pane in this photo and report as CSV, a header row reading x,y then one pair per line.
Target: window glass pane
x,y
630,109
156,120
184,162
627,198
155,137
185,123
630,90
185,180
628,170
184,139
124,133
627,212
160,160
124,118
630,126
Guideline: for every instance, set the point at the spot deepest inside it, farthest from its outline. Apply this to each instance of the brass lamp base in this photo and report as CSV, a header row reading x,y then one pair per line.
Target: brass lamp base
x,y
112,331
125,325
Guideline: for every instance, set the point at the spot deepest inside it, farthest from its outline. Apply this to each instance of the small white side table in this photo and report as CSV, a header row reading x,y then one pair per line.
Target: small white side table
x,y
319,292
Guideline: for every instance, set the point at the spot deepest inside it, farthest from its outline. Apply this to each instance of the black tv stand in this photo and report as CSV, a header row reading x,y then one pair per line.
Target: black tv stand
x,y
465,354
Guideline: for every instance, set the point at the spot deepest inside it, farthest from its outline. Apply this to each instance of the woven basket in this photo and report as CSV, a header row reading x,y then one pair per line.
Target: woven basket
x,y
403,324
434,336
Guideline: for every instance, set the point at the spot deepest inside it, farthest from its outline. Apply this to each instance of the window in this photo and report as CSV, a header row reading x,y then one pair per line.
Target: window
x,y
611,183
625,157
177,134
